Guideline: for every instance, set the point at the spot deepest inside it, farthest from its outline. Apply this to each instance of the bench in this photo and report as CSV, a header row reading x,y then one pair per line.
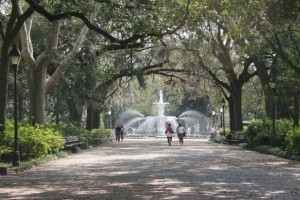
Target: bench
x,y
235,138
71,141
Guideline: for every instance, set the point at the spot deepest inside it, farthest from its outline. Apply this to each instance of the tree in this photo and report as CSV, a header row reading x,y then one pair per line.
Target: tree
x,y
38,83
9,28
39,86
211,34
59,12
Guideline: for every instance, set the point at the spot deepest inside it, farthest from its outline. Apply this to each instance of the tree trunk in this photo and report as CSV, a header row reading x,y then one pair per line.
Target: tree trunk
x,y
96,119
268,101
238,109
12,27
75,110
235,110
4,63
262,73
37,95
89,117
231,113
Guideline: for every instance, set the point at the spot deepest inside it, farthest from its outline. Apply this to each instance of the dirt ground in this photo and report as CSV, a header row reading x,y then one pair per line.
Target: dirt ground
x,y
147,168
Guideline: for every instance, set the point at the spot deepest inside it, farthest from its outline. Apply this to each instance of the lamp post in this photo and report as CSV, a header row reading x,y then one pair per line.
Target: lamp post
x,y
15,57
109,118
213,115
223,108
273,86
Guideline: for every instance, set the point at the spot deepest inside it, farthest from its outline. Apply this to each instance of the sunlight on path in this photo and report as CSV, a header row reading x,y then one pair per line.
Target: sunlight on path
x,y
147,168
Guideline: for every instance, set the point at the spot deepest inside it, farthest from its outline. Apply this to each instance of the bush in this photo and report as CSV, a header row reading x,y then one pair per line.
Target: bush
x,y
258,132
282,127
99,136
41,140
261,132
33,141
293,138
67,129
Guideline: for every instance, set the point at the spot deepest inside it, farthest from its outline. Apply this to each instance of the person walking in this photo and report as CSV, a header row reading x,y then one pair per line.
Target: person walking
x,y
213,133
118,133
122,132
181,133
169,131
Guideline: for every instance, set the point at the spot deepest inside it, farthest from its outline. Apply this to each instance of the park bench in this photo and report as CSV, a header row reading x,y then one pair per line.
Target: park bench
x,y
71,142
235,138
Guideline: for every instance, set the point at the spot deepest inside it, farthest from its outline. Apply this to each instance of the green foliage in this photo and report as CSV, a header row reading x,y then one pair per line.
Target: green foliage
x,y
67,129
293,138
272,151
39,141
260,132
283,126
99,136
33,141
94,137
193,102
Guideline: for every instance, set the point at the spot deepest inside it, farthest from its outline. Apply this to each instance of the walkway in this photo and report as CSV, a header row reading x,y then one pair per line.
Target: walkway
x,y
150,169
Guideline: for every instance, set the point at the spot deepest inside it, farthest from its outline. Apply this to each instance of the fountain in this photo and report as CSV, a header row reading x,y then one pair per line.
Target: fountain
x,y
136,124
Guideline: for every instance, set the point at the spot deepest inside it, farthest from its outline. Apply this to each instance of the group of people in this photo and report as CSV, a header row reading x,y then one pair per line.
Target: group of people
x,y
120,133
180,130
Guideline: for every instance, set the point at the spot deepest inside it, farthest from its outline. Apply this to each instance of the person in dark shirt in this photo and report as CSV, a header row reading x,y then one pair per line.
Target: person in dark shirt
x,y
118,133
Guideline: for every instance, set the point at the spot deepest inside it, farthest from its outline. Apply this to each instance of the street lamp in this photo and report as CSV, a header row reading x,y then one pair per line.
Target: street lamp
x,y
15,57
223,106
273,86
213,115
109,118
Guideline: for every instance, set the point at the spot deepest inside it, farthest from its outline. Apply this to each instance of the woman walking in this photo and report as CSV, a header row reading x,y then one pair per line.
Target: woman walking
x,y
180,131
169,131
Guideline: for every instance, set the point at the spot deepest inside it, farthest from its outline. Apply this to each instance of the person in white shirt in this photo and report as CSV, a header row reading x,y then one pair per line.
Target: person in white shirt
x,y
180,132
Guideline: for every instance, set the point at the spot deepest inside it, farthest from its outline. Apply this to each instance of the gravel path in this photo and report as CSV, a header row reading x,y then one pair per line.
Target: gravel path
x,y
150,169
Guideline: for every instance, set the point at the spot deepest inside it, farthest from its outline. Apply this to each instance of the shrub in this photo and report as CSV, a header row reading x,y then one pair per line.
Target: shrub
x,y
33,141
282,127
260,132
67,129
41,140
99,136
293,138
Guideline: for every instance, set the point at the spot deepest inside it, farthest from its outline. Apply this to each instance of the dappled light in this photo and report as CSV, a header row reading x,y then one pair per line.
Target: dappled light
x,y
149,169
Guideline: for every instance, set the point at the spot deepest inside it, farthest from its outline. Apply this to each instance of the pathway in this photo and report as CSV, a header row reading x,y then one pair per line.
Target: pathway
x,y
150,169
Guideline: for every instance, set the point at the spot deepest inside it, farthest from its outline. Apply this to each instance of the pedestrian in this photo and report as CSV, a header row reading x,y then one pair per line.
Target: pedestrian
x,y
118,133
181,133
169,131
213,132
122,132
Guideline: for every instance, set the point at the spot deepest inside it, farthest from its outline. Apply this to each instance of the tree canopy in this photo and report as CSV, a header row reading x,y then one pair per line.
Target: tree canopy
x,y
90,53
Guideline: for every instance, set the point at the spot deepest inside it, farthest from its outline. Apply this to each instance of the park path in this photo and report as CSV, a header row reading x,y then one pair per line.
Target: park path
x,y
150,169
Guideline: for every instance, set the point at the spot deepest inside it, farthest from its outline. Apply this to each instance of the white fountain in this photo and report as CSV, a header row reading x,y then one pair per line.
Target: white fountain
x,y
151,125
136,124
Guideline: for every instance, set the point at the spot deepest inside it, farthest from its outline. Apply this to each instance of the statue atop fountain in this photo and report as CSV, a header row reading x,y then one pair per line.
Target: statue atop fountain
x,y
161,105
